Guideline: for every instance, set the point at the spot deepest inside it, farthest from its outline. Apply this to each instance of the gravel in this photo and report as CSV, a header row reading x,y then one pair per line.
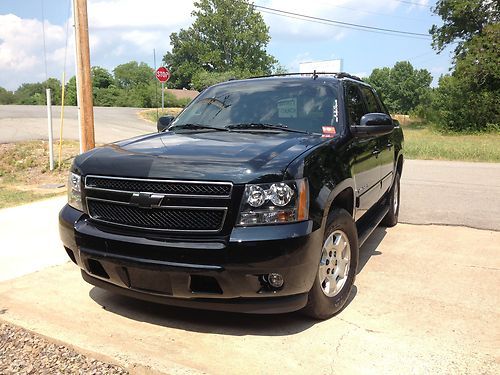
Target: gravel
x,y
22,352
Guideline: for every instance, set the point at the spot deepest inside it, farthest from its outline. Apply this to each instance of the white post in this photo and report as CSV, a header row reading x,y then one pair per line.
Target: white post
x,y
49,124
162,96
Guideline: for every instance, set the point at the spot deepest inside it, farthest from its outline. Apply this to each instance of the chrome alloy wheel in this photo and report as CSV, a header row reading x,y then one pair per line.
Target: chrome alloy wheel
x,y
334,264
396,197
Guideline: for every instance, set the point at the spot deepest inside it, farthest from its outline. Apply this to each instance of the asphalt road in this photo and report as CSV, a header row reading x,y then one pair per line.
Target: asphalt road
x,y
27,122
451,193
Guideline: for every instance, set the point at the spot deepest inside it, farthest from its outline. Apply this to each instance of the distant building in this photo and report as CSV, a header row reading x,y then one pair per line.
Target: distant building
x,y
182,94
324,66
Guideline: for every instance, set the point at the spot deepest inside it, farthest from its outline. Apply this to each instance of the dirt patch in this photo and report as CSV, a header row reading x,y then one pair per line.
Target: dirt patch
x,y
25,175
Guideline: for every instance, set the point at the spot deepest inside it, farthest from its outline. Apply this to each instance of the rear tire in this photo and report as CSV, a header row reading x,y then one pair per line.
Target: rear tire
x,y
337,267
391,218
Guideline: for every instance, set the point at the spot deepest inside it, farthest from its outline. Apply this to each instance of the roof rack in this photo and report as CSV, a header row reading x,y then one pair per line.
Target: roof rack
x,y
314,75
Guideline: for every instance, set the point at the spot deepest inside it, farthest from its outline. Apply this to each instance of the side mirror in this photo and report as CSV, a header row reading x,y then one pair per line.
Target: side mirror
x,y
164,122
373,124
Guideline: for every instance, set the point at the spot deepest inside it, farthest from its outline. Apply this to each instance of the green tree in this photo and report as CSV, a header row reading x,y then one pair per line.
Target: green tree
x,y
70,92
401,87
34,93
202,79
55,91
226,36
30,93
462,21
469,98
133,74
101,78
6,97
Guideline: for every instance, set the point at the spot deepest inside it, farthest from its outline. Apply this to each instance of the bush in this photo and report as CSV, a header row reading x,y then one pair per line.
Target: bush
x,y
461,108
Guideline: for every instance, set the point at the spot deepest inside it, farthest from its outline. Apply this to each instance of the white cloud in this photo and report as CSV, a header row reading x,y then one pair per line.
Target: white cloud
x,y
123,30
144,14
21,50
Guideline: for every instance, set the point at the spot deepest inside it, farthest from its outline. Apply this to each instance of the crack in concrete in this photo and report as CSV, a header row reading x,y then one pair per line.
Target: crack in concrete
x,y
359,327
451,225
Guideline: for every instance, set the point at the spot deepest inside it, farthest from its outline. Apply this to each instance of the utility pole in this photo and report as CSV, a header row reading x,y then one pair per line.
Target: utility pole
x,y
83,77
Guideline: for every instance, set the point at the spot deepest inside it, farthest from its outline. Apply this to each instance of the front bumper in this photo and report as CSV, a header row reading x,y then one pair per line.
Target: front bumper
x,y
223,273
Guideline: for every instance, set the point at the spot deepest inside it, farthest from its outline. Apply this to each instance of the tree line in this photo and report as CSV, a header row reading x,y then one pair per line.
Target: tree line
x,y
228,39
132,84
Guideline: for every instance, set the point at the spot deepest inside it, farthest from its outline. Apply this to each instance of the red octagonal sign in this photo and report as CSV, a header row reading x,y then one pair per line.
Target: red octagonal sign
x,y
163,74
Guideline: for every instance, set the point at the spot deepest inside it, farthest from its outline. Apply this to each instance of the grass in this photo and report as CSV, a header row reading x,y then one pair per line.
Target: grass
x,y
25,174
425,142
151,114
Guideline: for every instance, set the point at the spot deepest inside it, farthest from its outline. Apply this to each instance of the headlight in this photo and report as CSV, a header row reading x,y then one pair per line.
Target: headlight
x,y
281,202
75,191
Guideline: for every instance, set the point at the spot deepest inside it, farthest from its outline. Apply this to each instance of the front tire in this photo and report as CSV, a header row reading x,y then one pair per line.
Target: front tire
x,y
337,267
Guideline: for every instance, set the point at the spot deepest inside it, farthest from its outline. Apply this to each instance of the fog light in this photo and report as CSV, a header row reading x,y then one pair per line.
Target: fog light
x,y
275,280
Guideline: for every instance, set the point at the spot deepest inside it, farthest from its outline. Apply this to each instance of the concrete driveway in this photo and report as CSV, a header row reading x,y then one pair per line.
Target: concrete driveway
x,y
425,301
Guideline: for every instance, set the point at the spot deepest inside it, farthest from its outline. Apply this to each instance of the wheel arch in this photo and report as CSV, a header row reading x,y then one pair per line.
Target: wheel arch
x,y
341,196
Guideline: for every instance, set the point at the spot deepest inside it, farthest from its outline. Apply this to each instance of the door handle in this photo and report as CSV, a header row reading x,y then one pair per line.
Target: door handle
x,y
376,152
389,146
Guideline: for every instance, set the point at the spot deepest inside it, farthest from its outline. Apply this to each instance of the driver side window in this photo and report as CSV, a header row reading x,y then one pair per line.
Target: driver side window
x,y
354,105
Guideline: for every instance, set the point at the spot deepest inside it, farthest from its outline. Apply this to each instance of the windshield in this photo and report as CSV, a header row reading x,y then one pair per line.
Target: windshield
x,y
298,104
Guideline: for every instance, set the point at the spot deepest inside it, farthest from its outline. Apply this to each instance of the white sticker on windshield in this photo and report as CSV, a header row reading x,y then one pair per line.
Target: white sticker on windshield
x,y
336,111
287,108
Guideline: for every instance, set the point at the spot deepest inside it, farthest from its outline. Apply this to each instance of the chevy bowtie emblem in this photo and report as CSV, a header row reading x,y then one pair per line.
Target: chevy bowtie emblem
x,y
146,200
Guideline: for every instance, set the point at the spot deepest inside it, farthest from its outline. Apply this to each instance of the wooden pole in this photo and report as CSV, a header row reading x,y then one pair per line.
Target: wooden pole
x,y
84,86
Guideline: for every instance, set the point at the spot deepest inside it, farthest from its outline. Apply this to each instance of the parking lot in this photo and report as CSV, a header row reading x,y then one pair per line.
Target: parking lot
x,y
425,299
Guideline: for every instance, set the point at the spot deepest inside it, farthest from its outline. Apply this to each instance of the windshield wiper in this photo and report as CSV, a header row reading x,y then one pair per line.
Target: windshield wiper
x,y
260,125
196,127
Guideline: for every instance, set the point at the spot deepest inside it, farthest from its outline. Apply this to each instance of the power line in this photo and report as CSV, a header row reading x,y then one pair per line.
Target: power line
x,y
339,23
412,3
342,26
44,45
371,12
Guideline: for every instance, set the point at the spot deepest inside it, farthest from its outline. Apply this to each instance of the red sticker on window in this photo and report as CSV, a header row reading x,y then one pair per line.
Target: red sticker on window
x,y
328,131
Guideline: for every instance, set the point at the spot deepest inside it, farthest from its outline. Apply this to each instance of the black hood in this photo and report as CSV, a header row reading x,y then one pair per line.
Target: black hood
x,y
239,157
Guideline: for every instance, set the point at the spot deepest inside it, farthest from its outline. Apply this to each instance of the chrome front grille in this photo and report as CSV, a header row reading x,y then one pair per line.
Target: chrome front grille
x,y
158,204
179,188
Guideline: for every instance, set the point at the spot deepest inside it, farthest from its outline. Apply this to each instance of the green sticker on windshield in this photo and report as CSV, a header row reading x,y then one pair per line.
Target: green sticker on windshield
x,y
287,108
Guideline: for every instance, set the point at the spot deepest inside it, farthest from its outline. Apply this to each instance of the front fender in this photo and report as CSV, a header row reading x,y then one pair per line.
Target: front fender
x,y
332,194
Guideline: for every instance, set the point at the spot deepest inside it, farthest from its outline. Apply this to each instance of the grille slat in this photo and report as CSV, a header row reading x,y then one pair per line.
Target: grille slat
x,y
158,186
180,219
106,203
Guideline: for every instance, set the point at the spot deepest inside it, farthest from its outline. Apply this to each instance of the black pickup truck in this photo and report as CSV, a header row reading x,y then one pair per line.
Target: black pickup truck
x,y
255,199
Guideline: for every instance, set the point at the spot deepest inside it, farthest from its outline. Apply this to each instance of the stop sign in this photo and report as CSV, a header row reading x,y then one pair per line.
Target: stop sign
x,y
163,74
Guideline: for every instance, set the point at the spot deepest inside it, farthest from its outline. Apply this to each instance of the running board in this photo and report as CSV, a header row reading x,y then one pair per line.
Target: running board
x,y
369,222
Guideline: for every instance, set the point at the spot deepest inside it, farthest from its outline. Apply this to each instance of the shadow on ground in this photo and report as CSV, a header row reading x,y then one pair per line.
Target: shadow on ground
x,y
224,323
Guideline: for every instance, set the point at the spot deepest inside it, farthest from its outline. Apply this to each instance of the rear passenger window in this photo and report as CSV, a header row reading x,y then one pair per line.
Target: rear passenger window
x,y
354,105
371,100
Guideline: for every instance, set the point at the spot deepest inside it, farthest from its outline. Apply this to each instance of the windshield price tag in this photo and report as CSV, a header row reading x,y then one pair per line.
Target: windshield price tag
x,y
328,131
287,108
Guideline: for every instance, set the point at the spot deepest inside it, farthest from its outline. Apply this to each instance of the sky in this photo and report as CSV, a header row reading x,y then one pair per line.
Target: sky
x,y
124,30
